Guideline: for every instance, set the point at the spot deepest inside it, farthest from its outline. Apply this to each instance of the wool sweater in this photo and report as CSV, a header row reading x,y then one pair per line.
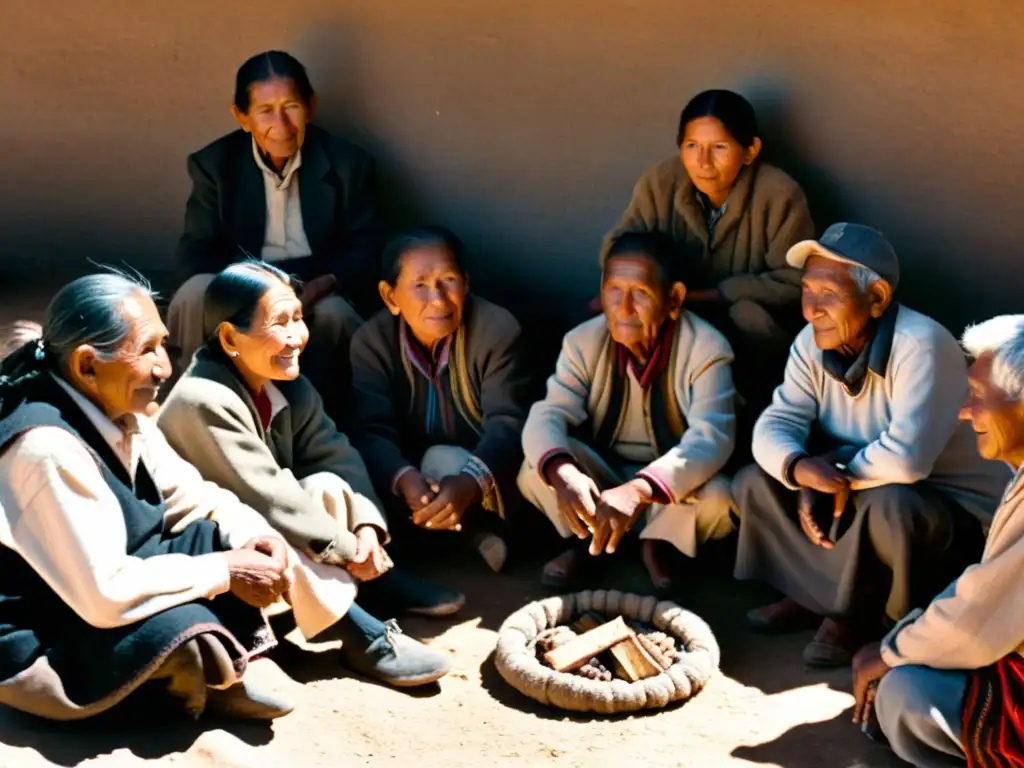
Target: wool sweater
x,y
904,423
580,391
979,618
211,420
484,387
766,213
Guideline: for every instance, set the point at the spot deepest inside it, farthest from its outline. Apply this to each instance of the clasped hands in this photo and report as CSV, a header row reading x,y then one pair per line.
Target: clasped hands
x,y
819,474
438,505
605,517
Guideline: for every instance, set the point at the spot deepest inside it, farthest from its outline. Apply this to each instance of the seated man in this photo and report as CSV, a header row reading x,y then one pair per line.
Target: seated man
x,y
867,418
638,418
972,634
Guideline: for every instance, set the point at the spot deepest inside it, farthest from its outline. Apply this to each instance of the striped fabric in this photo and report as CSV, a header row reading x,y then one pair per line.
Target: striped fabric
x,y
993,724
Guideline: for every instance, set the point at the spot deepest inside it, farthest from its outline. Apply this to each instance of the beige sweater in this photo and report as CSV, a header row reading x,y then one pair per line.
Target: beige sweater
x,y
904,422
579,391
766,213
979,618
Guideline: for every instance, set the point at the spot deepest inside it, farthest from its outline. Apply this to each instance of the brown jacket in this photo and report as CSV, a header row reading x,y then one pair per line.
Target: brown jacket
x,y
766,214
210,419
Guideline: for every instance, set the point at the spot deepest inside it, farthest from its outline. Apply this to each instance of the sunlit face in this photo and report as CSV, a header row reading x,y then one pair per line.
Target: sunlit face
x,y
430,294
130,382
635,300
277,117
834,304
997,419
712,157
270,349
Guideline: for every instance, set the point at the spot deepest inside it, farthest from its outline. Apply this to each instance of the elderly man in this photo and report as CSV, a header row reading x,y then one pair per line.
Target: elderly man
x,y
638,420
956,669
118,564
864,424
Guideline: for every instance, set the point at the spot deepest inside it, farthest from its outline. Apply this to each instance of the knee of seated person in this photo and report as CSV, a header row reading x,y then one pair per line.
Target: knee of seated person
x,y
336,316
888,502
192,292
443,460
752,318
745,485
716,494
898,692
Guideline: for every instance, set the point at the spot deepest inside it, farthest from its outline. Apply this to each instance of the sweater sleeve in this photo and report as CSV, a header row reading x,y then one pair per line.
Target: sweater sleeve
x,y
59,514
783,428
710,435
788,221
503,391
322,448
976,621
375,425
929,386
214,432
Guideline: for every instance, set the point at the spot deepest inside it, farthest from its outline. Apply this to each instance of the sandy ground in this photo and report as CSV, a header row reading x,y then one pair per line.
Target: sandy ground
x,y
763,708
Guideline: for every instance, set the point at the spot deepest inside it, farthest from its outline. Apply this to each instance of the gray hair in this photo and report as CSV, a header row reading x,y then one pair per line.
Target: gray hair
x,y
863,276
85,311
1004,336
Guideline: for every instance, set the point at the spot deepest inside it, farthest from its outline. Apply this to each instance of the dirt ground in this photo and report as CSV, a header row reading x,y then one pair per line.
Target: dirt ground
x,y
763,708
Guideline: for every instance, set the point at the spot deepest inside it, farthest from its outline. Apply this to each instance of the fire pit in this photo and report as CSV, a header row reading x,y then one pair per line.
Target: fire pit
x,y
531,645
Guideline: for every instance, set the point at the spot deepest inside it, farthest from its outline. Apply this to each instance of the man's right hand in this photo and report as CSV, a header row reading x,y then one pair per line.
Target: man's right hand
x,y
415,491
821,475
577,495
256,578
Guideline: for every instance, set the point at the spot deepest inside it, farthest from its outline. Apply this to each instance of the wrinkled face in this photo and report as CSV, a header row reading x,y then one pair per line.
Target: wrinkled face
x,y
130,382
997,419
270,349
276,118
430,294
835,305
712,157
635,301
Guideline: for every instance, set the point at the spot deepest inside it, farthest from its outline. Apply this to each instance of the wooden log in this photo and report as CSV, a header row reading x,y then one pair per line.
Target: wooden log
x,y
583,648
631,660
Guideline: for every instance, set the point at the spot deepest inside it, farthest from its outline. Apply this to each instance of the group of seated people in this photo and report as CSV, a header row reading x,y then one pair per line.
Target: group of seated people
x,y
147,535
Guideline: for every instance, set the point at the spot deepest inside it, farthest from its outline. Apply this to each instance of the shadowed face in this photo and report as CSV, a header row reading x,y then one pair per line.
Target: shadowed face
x,y
130,382
276,118
834,304
713,158
430,294
270,349
997,418
636,301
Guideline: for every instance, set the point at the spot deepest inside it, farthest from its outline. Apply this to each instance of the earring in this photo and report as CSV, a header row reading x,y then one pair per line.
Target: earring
x,y
235,353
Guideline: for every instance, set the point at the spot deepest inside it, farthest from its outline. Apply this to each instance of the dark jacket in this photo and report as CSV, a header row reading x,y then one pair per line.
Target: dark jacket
x,y
226,214
485,381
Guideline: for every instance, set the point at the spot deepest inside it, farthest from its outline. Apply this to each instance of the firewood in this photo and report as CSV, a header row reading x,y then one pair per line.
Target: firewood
x,y
631,660
580,650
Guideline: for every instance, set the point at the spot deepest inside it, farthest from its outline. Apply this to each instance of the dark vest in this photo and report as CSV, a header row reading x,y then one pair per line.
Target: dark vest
x,y
35,621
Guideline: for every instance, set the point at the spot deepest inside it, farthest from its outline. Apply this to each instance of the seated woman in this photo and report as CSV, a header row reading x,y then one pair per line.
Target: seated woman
x,y
248,421
120,568
638,420
290,193
439,392
741,215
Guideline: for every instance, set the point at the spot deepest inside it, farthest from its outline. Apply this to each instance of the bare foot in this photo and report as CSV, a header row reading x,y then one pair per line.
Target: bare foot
x,y
657,557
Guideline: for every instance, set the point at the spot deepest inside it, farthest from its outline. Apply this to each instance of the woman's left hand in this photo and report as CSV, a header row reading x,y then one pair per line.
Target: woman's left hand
x,y
455,494
370,560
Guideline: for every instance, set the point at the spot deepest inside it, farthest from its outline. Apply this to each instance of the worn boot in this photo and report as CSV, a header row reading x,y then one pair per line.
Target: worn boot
x,y
245,700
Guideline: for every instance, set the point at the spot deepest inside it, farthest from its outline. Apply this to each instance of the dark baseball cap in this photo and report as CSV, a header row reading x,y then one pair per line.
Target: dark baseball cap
x,y
851,244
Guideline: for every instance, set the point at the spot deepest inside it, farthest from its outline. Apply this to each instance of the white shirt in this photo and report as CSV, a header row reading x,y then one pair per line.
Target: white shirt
x,y
59,514
285,236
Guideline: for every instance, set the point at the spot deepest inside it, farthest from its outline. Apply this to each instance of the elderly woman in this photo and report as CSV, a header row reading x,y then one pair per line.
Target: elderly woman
x,y
288,192
248,421
866,418
119,566
740,215
439,393
637,422
952,675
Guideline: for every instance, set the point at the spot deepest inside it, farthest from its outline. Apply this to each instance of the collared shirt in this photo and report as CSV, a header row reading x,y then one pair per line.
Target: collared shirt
x,y
711,214
285,236
59,514
873,357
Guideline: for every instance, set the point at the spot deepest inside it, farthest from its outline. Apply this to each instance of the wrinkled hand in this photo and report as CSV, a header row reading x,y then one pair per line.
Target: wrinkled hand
x,y
271,546
256,578
618,510
819,474
316,289
577,496
868,669
370,559
415,490
805,512
455,494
